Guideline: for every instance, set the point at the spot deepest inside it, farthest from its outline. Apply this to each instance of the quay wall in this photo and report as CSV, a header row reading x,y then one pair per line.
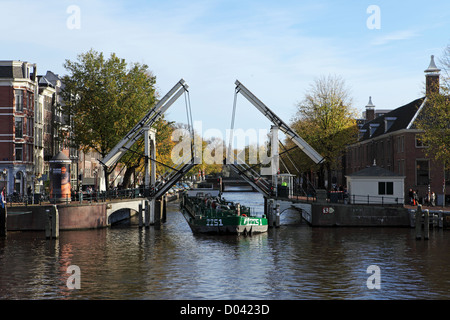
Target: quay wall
x,y
71,217
327,215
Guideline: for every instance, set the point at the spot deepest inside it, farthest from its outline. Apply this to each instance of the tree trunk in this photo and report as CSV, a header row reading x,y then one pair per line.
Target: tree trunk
x,y
127,177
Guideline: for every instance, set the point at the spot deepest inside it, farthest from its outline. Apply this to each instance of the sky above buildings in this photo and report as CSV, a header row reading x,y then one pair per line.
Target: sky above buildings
x,y
275,48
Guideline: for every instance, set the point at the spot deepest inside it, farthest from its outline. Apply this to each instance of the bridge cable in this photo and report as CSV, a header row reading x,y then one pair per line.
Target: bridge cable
x,y
233,115
287,153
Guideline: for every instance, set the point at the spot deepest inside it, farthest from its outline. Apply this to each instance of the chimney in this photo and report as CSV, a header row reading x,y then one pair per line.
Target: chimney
x,y
432,78
370,111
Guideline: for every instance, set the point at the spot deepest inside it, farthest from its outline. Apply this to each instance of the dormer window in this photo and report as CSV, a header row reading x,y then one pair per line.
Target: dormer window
x,y
373,127
361,133
388,122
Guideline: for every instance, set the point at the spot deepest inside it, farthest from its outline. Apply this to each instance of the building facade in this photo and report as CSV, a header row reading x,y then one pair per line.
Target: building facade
x,y
18,97
393,142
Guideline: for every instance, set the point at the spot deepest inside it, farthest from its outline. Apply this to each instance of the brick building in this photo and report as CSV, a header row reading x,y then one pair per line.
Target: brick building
x,y
18,94
393,142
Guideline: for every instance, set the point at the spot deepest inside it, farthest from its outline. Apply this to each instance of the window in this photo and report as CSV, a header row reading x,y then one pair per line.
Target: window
x,y
18,97
422,172
388,122
19,152
373,127
385,188
30,101
19,127
400,144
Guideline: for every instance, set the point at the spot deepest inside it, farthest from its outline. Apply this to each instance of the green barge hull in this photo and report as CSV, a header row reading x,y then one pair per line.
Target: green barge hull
x,y
207,214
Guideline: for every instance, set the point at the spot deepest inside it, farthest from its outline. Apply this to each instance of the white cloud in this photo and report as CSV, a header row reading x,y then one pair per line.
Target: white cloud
x,y
394,36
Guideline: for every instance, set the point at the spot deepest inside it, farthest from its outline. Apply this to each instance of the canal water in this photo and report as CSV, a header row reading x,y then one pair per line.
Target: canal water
x,y
294,261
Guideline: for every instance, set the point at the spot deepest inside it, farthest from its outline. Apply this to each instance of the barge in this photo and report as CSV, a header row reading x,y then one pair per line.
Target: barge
x,y
207,212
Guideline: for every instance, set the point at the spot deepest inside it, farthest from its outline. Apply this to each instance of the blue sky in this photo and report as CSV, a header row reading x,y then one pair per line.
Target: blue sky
x,y
275,48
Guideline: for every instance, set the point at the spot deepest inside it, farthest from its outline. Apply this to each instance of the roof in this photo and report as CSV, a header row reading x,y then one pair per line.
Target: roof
x,y
396,119
374,171
60,158
11,72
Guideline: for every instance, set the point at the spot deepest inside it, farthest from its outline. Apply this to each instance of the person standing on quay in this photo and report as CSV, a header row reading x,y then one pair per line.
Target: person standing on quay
x,y
3,198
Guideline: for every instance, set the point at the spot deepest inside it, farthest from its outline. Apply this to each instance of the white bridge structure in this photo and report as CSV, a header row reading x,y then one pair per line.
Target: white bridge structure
x,y
154,205
142,206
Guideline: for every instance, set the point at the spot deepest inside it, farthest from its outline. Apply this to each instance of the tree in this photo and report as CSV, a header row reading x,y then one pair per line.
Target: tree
x,y
326,120
105,98
135,160
434,118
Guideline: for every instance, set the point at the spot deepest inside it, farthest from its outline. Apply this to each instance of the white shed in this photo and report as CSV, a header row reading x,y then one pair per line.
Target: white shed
x,y
375,185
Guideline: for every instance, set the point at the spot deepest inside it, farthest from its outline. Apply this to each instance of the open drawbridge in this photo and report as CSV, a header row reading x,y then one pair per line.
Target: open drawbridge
x,y
158,188
255,179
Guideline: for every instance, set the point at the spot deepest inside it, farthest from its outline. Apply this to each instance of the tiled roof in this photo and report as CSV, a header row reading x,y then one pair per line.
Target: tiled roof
x,y
374,171
396,119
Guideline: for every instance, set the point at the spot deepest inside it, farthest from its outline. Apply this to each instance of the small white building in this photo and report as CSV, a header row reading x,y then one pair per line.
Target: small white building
x,y
375,185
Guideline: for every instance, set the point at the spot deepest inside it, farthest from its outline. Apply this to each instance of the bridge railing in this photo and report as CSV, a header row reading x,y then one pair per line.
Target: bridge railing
x,y
114,194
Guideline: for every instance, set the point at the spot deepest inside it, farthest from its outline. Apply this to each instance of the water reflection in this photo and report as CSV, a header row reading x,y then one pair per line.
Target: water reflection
x,y
290,262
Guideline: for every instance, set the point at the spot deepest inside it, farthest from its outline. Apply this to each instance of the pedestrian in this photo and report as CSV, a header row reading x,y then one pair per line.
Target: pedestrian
x,y
411,196
433,199
3,198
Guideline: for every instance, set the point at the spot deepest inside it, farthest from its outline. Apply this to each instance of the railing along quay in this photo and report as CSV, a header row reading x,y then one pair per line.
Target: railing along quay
x,y
115,194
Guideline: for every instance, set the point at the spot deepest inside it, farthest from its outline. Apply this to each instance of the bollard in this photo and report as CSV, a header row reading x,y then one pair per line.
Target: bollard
x,y
270,213
157,213
164,210
277,216
418,216
52,223
147,213
426,224
265,207
140,217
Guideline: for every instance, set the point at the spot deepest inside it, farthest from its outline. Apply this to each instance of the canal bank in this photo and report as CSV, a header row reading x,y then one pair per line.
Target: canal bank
x,y
68,216
322,213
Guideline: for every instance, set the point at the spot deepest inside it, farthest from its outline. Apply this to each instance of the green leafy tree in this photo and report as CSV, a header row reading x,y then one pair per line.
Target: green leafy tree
x,y
105,98
326,120
434,118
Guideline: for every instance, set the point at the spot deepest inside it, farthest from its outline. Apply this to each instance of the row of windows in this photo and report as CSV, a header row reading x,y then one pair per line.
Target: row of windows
x,y
381,149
